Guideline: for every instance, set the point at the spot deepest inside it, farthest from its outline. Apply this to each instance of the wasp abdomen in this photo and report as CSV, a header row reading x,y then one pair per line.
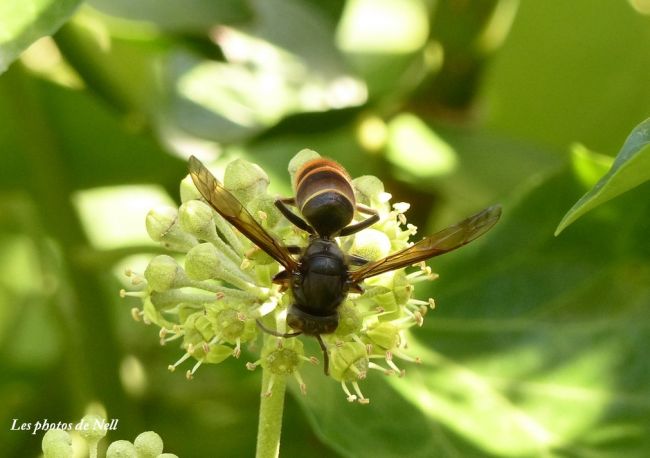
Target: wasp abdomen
x,y
324,196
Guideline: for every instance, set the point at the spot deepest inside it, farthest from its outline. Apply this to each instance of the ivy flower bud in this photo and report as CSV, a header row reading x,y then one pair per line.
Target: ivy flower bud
x,y
245,179
369,190
349,361
148,445
92,431
163,273
56,443
371,245
203,262
299,159
121,449
264,206
188,191
162,226
196,217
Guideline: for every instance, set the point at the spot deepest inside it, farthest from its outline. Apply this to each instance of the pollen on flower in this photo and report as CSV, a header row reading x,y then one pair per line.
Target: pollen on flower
x,y
217,292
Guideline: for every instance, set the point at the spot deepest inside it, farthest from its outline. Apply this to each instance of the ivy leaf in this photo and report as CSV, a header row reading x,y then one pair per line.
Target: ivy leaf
x,y
630,169
25,21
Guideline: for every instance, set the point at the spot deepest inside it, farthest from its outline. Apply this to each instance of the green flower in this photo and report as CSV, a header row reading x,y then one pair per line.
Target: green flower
x,y
210,298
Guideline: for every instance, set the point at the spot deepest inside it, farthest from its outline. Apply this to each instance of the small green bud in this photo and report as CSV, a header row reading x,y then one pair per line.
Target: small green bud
x,y
263,207
188,191
159,222
348,362
94,431
371,244
383,334
196,217
245,179
350,321
299,159
369,190
162,226
202,262
163,273
148,445
56,443
121,449
282,357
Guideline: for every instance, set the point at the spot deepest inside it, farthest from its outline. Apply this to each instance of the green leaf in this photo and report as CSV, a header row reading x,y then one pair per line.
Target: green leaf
x,y
630,169
536,348
591,84
25,21
98,148
186,16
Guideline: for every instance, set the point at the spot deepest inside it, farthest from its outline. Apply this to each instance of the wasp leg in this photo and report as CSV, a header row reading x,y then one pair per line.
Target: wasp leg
x,y
326,356
276,333
354,228
281,205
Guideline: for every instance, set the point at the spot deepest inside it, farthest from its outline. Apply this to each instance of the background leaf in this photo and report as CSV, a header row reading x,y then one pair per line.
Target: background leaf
x,y
26,21
557,97
629,170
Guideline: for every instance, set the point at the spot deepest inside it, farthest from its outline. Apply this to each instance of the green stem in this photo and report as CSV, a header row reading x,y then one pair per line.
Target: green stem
x,y
270,421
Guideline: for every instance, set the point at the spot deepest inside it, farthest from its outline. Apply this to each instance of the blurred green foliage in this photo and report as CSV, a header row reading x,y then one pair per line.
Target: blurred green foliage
x,y
537,347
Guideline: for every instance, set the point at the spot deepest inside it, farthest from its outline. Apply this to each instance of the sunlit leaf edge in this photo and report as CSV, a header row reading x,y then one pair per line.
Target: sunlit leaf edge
x,y
630,169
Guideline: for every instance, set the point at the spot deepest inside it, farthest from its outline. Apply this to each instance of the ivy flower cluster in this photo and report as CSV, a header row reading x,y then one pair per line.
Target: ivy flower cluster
x,y
209,295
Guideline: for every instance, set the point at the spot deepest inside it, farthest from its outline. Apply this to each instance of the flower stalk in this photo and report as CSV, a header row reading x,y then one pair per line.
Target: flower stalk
x,y
270,417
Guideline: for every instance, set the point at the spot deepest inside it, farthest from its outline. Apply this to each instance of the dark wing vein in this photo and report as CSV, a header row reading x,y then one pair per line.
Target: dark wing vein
x,y
439,243
236,214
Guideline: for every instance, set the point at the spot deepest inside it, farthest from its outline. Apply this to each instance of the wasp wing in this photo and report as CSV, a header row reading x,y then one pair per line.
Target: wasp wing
x,y
236,214
439,243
